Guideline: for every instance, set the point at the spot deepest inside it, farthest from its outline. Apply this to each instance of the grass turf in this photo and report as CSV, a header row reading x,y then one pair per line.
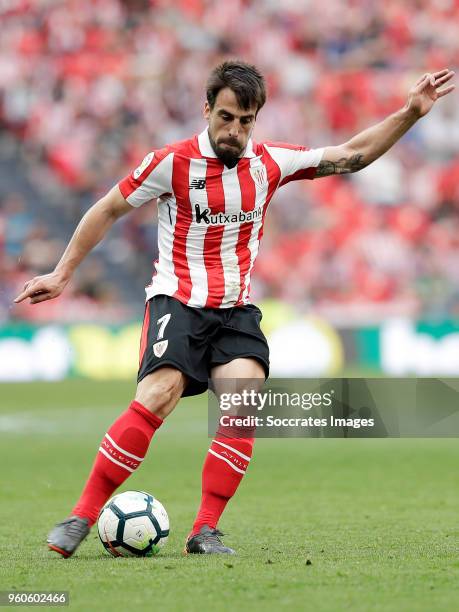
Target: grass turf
x,y
318,524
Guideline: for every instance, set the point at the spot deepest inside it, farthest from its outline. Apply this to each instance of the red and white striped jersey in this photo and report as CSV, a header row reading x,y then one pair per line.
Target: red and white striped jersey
x,y
210,217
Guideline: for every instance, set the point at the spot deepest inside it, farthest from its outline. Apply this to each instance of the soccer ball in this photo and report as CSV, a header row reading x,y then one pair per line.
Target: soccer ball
x,y
133,524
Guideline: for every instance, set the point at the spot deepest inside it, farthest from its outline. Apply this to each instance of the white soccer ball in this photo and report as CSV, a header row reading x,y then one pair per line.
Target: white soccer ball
x,y
133,524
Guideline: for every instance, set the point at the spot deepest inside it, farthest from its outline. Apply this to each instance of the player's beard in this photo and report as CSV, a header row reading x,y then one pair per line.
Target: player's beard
x,y
228,156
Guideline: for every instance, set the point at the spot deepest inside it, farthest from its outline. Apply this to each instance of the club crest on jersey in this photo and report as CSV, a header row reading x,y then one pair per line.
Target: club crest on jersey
x,y
159,348
146,160
259,175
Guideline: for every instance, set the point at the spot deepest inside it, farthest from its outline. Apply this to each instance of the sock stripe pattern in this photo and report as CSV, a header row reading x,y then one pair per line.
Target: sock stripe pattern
x,y
236,469
122,449
246,457
104,452
234,458
118,455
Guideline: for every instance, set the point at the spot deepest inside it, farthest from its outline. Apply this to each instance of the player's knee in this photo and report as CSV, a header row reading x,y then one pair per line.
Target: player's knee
x,y
159,392
159,397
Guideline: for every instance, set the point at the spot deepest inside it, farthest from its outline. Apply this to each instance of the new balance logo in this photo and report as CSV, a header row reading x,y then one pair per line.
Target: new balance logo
x,y
198,184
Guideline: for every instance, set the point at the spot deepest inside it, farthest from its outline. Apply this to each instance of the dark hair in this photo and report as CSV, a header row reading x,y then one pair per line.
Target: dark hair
x,y
244,79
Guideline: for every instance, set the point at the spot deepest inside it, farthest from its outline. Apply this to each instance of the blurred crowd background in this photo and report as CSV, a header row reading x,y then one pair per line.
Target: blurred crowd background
x,y
88,87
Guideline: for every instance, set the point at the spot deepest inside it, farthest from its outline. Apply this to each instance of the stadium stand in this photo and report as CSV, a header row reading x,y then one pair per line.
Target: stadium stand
x,y
87,88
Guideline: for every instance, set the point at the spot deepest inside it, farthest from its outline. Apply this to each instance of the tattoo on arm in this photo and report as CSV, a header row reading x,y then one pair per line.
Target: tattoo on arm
x,y
345,165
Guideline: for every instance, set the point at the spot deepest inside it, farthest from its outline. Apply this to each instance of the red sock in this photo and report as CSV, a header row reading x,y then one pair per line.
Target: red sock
x,y
224,467
122,450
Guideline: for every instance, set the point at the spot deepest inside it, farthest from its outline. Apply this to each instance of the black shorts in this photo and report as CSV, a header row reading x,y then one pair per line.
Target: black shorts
x,y
194,340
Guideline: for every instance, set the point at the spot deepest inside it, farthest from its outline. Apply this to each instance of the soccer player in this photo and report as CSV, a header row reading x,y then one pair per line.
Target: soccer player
x,y
213,192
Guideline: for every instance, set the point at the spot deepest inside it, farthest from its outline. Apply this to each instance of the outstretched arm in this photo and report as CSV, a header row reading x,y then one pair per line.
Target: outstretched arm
x,y
90,231
373,142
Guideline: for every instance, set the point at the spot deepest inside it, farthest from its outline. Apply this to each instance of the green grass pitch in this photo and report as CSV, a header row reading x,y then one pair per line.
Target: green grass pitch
x,y
318,524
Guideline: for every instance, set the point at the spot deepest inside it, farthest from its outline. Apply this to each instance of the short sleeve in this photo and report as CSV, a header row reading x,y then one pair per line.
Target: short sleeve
x,y
150,180
295,162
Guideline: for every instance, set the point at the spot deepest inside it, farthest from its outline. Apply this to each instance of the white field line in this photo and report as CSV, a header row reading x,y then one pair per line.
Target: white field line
x,y
84,420
80,421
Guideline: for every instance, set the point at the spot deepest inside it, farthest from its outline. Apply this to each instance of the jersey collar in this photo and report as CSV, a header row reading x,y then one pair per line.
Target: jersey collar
x,y
206,150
